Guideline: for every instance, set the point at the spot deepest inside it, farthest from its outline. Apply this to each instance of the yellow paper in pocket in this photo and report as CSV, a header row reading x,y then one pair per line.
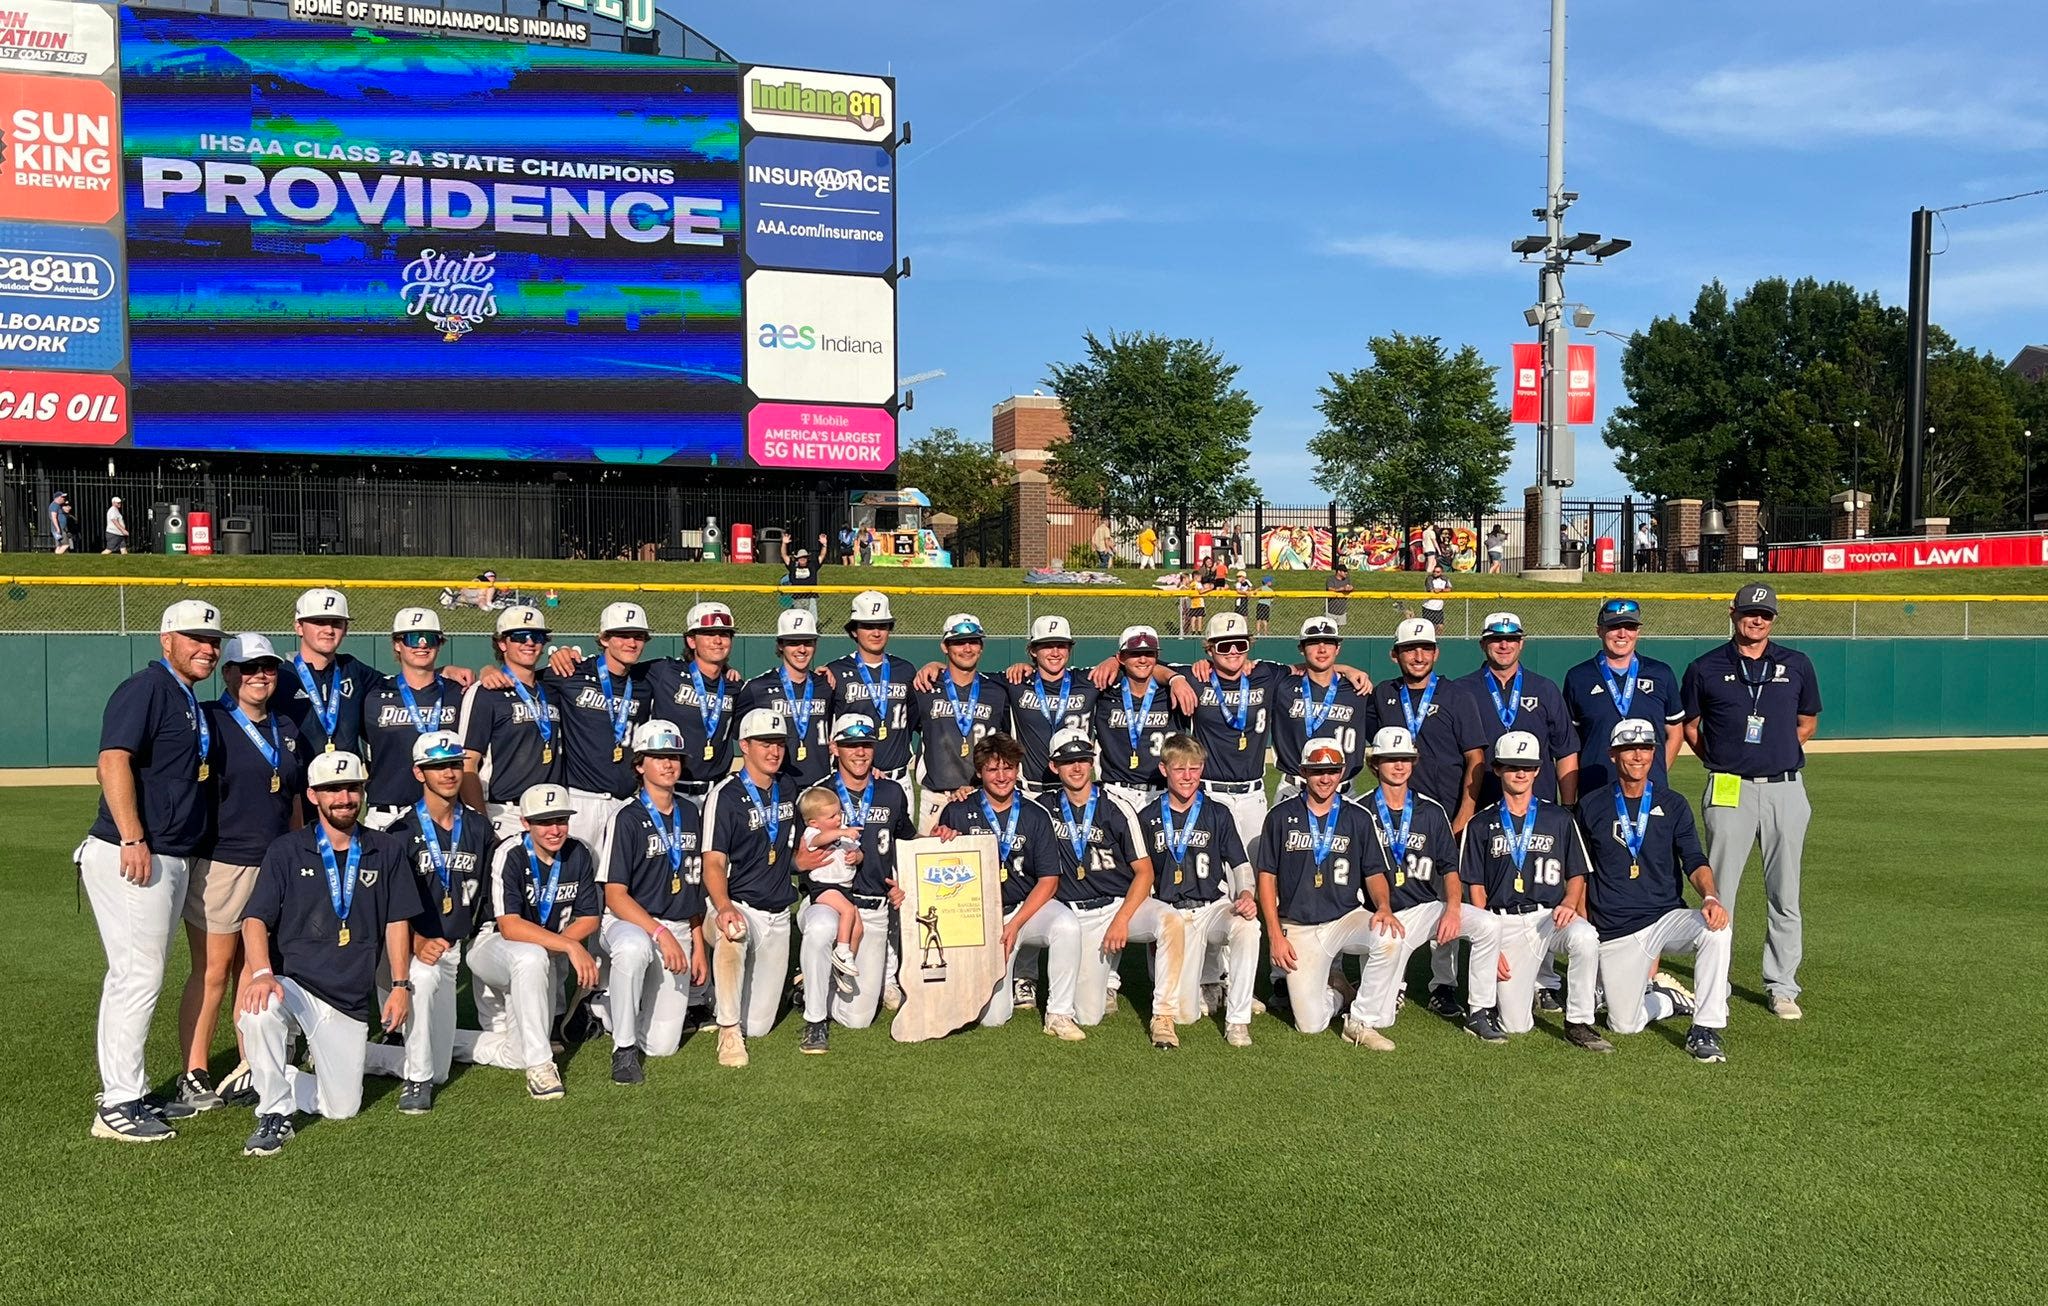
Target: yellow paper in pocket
x,y
1724,790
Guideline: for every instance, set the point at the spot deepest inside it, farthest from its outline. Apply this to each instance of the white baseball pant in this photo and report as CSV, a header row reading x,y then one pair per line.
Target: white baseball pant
x,y
590,819
1054,928
506,822
855,1005
747,973
1625,971
430,1030
1317,949
646,1002
1152,922
337,1044
1524,940
137,923
1379,982
383,818
516,987
1214,930
1135,798
1247,812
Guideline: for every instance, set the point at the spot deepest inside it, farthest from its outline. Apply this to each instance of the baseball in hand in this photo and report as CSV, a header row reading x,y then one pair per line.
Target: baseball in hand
x,y
736,931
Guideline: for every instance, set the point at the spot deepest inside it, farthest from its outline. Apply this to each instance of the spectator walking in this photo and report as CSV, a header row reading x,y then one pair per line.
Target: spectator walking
x,y
1496,549
117,528
1148,548
846,543
1338,605
1104,545
1646,545
59,518
1265,603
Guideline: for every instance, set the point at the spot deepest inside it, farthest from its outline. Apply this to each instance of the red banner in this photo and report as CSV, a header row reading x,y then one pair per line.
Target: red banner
x,y
1579,386
1944,553
1528,379
1528,364
60,408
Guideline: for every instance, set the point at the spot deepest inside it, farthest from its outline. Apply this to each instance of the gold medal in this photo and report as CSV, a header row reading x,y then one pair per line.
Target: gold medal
x,y
342,939
204,770
1177,875
1319,880
882,733
447,903
1518,884
802,752
963,748
330,745
1634,871
1400,878
710,751
547,754
771,857
1242,742
1134,761
675,884
276,782
618,752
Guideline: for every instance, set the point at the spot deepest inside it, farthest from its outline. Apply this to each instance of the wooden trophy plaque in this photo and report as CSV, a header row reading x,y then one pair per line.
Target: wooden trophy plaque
x,y
951,924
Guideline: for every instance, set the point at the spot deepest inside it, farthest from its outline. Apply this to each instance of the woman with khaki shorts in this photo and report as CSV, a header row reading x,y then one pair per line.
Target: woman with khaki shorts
x,y
255,797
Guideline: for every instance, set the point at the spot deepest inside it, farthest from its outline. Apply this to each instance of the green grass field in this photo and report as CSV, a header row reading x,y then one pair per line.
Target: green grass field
x,y
1888,1148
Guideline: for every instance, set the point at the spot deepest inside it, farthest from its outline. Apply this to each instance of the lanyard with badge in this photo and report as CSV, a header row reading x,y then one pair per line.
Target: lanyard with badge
x,y
441,860
1237,720
1518,840
1080,831
799,710
1417,716
963,720
1624,693
1753,729
540,717
423,721
1397,839
198,717
1634,830
1177,848
618,708
1508,711
1006,837
1135,715
341,892
1323,837
878,694
771,815
327,707
544,898
671,834
710,708
273,752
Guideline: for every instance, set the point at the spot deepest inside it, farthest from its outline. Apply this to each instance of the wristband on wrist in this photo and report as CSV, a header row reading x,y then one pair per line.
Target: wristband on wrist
x,y
1709,898
134,843
261,974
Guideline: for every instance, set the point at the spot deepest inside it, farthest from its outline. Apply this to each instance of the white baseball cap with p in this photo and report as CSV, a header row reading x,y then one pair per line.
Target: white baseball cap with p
x,y
1226,625
522,617
437,748
658,738
870,608
1633,732
1050,629
1072,744
796,626
711,618
1322,754
1393,744
321,604
763,723
1517,748
191,617
1320,627
623,619
336,771
1415,630
407,620
1138,639
544,803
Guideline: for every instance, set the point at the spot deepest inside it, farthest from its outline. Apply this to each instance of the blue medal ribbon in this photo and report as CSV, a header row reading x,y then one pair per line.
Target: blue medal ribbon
x,y
1624,693
423,721
1518,840
340,892
1179,846
1633,831
544,902
711,707
671,831
440,859
799,712
1051,708
771,815
1084,828
1134,716
198,717
1324,837
1313,716
539,710
964,721
855,815
1006,838
1244,701
880,701
328,708
273,752
1413,714
619,707
1509,710
1397,838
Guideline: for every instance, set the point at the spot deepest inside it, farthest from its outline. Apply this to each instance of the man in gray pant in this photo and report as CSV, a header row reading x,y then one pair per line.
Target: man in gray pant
x,y
1750,707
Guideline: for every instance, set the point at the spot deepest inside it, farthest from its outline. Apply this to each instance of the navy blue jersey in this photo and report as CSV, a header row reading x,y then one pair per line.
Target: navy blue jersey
x,y
1232,717
707,720
1200,872
882,812
390,729
882,698
1307,709
1629,893
1589,693
1443,731
521,885
505,728
153,717
748,834
1556,854
1724,689
1115,725
294,901
661,868
1032,854
1108,846
1040,709
1313,893
599,727
448,906
805,705
1431,850
342,688
1537,707
249,812
948,754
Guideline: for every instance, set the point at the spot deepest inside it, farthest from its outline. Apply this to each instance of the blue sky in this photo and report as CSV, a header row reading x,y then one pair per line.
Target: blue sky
x,y
1288,178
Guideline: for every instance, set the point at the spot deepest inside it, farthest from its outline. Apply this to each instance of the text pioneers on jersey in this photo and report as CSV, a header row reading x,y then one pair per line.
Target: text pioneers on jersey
x,y
823,206
838,106
821,337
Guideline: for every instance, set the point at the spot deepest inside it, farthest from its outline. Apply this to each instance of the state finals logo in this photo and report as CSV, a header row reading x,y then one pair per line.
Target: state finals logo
x,y
454,293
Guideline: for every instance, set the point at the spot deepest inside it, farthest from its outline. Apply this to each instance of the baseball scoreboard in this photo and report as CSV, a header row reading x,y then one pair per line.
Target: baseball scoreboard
x,y
306,234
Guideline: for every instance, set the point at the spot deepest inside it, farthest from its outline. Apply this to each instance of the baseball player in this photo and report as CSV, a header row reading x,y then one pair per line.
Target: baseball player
x,y
1524,860
324,693
1750,707
1642,840
1425,892
1133,717
750,831
654,907
878,810
603,698
544,906
257,788
1318,701
698,695
873,682
1030,877
1319,862
449,847
399,710
1504,696
1618,684
964,705
157,751
517,730
1449,750
1045,698
1106,881
1235,698
331,901
801,693
1204,877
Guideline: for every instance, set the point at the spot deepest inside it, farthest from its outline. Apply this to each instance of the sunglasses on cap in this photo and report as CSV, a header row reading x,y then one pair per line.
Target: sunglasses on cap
x,y
428,639
526,637
1621,608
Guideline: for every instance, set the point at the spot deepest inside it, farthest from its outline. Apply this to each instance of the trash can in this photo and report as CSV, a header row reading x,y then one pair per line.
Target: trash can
x,y
1172,545
742,542
1605,555
174,530
712,550
199,535
774,546
237,536
1205,544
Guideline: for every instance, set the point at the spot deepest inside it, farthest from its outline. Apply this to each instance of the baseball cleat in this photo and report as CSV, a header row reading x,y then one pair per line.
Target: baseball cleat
x,y
239,1088
1400,998
892,996
843,960
1258,1007
1482,1026
131,1122
1212,999
1237,1036
544,1082
1164,1035
1677,986
817,1039
1784,1008
1681,1001
272,1133
169,1108
577,1023
1341,985
1585,1036
1064,1029
626,1067
697,1017
1704,1044
1024,994
1546,1000
196,1090
1109,1005
416,1098
1359,1034
732,1046
1443,1001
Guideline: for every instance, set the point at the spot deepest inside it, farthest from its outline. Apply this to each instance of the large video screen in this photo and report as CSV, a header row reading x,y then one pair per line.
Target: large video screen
x,y
344,242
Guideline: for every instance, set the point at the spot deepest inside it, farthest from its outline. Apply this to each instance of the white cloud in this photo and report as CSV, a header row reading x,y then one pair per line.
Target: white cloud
x,y
1442,256
1038,211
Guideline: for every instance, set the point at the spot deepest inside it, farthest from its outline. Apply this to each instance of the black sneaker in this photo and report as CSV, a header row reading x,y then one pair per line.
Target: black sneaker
x,y
697,1017
1546,1000
239,1088
817,1038
416,1098
1443,1001
131,1122
626,1068
196,1090
1585,1036
576,1024
169,1108
1704,1044
272,1133
1482,1026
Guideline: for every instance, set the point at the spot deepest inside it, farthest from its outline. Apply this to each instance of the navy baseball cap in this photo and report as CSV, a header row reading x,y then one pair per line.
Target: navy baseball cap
x,y
1620,612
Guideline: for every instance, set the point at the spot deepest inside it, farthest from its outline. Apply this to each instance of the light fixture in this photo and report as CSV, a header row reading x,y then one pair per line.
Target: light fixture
x,y
1530,244
1533,316
1582,317
1581,241
1610,246
904,137
905,270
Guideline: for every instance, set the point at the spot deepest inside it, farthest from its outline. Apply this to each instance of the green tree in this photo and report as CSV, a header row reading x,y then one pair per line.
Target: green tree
x,y
1159,426
1416,436
963,477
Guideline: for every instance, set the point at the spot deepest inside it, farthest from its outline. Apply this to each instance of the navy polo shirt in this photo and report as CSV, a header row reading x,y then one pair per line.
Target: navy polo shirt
x,y
390,728
1109,844
518,883
1202,874
707,721
886,702
467,863
1723,689
1595,712
1114,725
1620,904
948,755
1538,708
1039,709
1311,894
1432,850
294,901
1034,853
806,709
1234,755
735,826
1443,731
347,675
589,727
1556,854
502,726
151,718
1339,712
249,817
664,888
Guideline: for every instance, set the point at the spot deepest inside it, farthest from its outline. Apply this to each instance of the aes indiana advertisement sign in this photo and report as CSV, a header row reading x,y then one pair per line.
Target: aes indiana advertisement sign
x,y
820,205
812,336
